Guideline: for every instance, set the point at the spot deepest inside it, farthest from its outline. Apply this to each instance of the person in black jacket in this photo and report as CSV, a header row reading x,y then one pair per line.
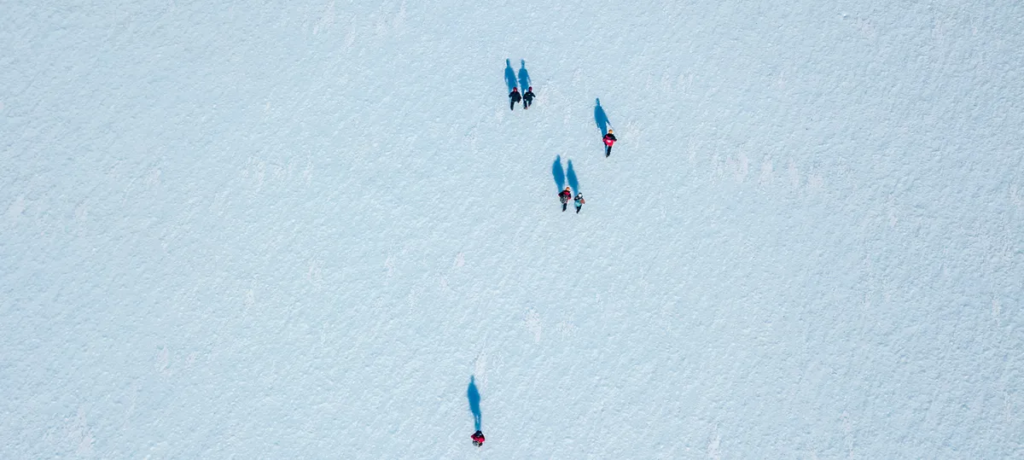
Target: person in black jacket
x,y
515,97
528,98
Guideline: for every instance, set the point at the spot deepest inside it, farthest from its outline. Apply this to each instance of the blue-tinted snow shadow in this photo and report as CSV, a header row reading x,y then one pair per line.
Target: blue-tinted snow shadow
x,y
524,76
571,175
599,117
510,75
474,401
556,170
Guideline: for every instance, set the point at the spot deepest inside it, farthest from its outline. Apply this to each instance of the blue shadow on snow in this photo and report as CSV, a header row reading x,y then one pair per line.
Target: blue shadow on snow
x,y
571,174
556,170
599,117
474,401
524,76
510,75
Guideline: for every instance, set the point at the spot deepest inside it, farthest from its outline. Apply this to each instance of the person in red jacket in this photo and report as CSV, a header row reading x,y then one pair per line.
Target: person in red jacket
x,y
564,196
609,140
514,97
478,438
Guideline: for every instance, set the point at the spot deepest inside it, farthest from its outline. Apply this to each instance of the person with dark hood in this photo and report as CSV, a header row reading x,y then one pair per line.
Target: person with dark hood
x,y
478,438
514,97
579,202
528,98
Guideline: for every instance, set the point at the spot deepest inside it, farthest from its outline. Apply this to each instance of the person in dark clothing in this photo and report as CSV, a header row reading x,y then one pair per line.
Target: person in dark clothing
x,y
478,438
564,196
579,202
609,140
515,97
528,98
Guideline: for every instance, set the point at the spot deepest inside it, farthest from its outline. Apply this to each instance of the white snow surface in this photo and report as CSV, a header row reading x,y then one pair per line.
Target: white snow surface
x,y
294,229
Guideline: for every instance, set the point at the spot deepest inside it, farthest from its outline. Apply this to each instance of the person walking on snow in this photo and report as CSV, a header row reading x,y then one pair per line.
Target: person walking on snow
x,y
579,202
609,140
515,97
528,98
564,196
478,438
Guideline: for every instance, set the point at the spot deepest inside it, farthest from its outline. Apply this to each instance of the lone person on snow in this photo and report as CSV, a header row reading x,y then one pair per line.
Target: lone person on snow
x,y
478,438
515,97
528,98
609,140
579,202
564,196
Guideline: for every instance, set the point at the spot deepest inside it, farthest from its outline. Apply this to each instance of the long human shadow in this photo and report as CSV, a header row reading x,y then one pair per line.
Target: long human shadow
x,y
556,170
599,117
474,401
510,75
573,182
524,76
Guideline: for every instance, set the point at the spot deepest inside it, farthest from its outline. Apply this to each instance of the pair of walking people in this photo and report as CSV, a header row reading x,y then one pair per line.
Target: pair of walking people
x,y
566,194
526,97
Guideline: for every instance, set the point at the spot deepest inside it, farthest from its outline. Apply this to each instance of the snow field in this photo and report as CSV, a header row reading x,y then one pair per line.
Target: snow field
x,y
296,229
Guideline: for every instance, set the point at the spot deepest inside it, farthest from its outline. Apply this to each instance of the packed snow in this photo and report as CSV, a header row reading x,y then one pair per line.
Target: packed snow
x,y
295,229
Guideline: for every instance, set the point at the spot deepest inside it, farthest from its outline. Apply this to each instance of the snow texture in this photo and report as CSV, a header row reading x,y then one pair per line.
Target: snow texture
x,y
294,229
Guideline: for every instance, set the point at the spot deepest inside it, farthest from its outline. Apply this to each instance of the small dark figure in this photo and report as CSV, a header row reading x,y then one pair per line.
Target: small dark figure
x,y
478,438
515,97
579,202
528,98
609,140
564,196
